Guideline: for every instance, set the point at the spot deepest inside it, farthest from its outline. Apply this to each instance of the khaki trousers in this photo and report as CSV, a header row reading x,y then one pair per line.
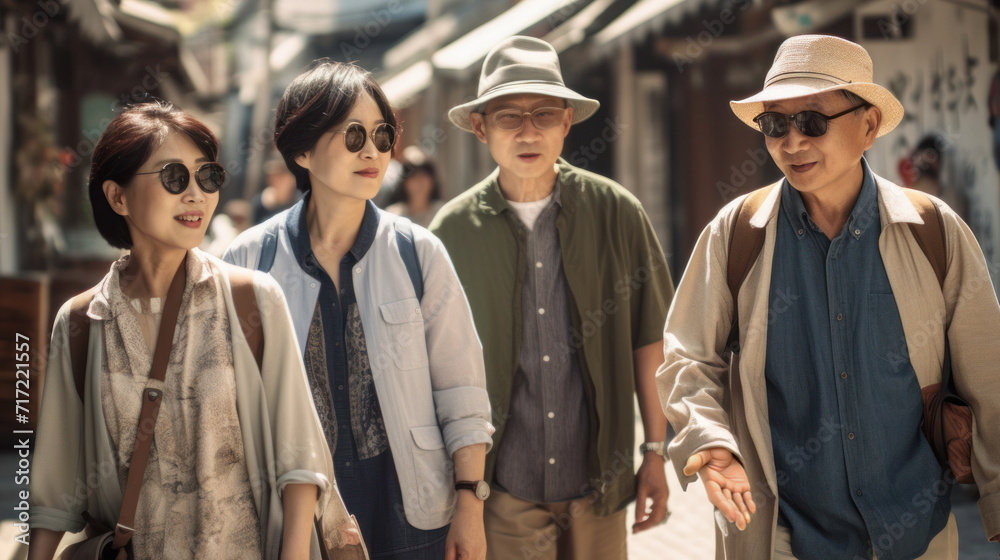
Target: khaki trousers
x,y
942,547
517,529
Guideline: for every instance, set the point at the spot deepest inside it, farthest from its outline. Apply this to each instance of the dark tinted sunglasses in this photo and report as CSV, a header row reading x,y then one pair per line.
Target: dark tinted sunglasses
x,y
810,123
175,177
383,137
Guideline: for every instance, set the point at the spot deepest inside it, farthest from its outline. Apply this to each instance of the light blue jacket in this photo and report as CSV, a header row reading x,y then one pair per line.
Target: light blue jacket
x,y
426,359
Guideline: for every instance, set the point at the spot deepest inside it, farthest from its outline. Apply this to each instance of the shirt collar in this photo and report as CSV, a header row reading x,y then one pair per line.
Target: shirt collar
x,y
492,200
864,212
298,233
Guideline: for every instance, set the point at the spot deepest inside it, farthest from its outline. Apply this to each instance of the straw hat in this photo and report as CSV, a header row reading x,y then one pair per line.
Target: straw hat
x,y
522,65
810,64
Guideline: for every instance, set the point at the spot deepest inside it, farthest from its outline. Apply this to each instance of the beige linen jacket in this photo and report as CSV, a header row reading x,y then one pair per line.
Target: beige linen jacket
x,y
693,381
74,468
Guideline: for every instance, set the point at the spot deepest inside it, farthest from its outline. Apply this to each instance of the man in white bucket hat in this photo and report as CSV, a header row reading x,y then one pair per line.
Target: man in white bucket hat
x,y
569,289
839,308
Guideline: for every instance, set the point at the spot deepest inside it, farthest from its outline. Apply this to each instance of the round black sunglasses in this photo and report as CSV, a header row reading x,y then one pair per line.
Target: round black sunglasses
x,y
810,123
175,177
383,137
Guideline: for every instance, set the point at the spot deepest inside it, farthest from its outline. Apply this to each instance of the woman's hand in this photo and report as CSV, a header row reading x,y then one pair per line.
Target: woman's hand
x,y
467,536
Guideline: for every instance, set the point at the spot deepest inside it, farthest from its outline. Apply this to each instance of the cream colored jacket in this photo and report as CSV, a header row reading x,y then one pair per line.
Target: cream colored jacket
x,y
693,381
74,468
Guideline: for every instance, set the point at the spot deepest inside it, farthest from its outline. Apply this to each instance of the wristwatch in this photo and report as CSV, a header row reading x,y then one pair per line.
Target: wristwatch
x,y
657,447
478,487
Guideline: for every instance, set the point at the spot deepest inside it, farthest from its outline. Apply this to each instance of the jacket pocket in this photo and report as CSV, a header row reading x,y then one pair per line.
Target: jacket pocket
x,y
434,469
404,326
886,329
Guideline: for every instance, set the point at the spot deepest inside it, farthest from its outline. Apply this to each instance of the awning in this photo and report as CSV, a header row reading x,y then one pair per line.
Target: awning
x,y
466,52
574,31
422,41
644,18
403,87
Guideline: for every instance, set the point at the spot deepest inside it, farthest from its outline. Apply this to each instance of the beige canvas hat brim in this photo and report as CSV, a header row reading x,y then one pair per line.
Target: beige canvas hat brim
x,y
583,108
891,109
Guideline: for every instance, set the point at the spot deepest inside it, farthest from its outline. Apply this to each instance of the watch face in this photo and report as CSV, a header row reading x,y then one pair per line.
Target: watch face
x,y
482,490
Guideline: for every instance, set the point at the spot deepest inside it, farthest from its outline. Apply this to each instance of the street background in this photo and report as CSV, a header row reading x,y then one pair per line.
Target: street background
x,y
664,71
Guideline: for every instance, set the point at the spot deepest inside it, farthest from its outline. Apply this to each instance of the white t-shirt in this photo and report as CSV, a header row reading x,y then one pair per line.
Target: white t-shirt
x,y
529,211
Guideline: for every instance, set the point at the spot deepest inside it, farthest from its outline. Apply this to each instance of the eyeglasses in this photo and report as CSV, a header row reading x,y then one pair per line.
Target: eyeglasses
x,y
810,123
383,137
542,118
175,177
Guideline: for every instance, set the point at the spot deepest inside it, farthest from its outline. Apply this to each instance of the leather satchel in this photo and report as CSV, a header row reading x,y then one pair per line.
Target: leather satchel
x,y
113,544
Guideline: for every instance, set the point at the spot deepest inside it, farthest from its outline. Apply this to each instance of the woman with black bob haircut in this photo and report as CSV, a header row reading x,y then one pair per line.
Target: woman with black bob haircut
x,y
236,464
391,352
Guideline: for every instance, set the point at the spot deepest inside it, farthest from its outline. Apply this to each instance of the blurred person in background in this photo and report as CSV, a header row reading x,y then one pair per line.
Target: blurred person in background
x,y
569,288
226,225
418,194
212,487
931,168
279,194
390,348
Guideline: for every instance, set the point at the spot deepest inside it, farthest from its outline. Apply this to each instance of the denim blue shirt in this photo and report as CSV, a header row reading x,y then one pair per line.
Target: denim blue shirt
x,y
369,485
855,475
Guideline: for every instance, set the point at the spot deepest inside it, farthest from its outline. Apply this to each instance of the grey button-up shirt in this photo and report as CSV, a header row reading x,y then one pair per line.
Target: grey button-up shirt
x,y
543,456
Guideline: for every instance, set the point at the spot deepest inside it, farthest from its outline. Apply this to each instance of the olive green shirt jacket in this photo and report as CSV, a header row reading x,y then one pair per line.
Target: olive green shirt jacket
x,y
619,289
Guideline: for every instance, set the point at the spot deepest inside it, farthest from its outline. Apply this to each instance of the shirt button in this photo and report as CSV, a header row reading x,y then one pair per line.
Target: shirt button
x,y
538,264
357,270
416,310
340,387
843,375
336,344
850,435
840,316
552,415
552,461
541,311
857,232
860,492
545,358
312,284
801,231
348,463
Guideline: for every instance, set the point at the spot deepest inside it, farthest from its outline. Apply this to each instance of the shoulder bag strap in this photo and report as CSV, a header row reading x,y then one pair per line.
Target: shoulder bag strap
x,y
745,244
408,251
79,337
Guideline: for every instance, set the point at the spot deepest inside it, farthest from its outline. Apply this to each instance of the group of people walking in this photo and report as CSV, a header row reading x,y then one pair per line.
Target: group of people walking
x,y
376,389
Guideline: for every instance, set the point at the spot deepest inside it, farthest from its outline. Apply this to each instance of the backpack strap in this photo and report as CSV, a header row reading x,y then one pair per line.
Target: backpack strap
x,y
79,337
408,251
268,247
930,234
245,301
745,244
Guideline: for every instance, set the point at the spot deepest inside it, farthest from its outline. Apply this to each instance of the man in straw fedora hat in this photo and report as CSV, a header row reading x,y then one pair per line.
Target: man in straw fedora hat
x,y
812,446
569,289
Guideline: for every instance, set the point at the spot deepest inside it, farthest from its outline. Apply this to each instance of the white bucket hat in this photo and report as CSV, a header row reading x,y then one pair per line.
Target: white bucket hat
x,y
810,64
522,65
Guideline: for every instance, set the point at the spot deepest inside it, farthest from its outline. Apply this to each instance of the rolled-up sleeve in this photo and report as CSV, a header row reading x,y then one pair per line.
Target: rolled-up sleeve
x,y
455,355
58,493
974,321
300,449
692,380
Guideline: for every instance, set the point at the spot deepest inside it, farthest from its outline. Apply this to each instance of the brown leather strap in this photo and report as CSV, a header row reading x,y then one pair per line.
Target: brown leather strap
x,y
245,301
930,234
79,337
745,244
152,396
